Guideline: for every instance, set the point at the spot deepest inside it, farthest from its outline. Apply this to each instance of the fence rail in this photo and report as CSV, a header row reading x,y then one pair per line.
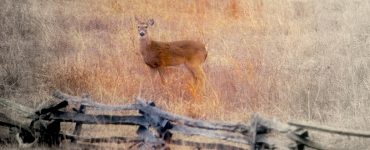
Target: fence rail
x,y
45,127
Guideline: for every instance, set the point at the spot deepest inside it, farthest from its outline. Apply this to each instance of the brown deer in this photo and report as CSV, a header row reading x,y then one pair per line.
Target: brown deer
x,y
158,55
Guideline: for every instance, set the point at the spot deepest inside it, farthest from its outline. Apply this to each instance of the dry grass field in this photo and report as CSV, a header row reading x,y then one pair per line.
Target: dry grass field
x,y
303,60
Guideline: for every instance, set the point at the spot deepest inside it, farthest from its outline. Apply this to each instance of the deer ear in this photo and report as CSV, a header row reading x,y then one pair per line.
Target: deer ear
x,y
137,19
150,22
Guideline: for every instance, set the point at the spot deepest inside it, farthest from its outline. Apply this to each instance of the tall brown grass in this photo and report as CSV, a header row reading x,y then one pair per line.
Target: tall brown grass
x,y
295,59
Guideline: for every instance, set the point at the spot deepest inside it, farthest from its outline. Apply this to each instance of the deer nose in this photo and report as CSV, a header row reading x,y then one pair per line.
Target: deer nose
x,y
142,33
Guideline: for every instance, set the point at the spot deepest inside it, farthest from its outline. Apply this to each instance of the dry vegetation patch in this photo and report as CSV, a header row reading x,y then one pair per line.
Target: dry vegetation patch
x,y
295,59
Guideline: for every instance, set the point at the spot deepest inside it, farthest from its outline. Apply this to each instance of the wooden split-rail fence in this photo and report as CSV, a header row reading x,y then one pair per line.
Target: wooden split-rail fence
x,y
155,127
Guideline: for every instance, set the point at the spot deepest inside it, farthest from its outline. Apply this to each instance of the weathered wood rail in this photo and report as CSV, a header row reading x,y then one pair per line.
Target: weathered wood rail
x,y
45,127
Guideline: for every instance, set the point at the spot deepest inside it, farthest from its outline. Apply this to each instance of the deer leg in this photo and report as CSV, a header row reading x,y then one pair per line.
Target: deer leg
x,y
191,70
161,75
152,75
198,75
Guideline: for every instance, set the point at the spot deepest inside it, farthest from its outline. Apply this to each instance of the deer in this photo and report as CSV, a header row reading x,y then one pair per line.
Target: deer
x,y
159,55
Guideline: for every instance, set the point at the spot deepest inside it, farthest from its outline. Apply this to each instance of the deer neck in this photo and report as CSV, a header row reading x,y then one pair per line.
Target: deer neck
x,y
144,43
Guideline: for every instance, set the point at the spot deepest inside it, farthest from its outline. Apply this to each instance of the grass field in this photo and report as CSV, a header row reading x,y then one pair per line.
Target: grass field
x,y
292,60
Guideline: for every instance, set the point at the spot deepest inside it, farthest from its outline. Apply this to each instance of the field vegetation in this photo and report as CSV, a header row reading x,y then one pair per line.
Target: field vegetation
x,y
303,60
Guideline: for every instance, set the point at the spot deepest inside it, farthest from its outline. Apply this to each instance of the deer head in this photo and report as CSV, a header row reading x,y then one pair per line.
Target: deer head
x,y
143,27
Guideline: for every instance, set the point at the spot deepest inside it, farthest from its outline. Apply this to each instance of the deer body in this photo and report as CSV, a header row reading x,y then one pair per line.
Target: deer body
x,y
161,54
158,55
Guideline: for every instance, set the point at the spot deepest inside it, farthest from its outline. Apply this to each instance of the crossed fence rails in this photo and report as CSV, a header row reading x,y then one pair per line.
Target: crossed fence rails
x,y
156,127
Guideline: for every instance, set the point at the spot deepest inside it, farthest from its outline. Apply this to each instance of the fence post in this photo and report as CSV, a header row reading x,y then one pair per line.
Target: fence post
x,y
162,135
78,126
253,132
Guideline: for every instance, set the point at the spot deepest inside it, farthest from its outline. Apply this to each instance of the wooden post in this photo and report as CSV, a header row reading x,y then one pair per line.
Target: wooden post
x,y
300,136
78,126
161,125
52,132
303,134
253,132
150,139
47,131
